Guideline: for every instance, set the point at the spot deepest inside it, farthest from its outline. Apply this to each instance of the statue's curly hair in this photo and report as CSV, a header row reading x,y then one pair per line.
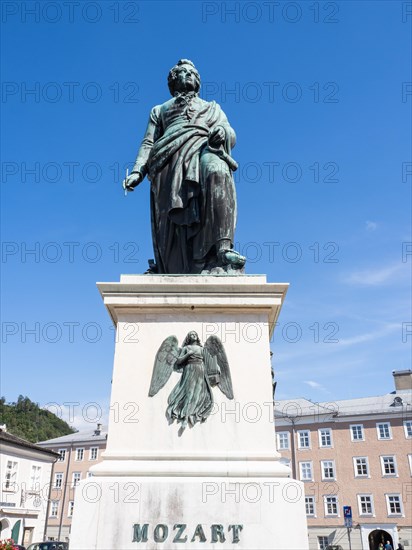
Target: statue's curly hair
x,y
171,79
187,340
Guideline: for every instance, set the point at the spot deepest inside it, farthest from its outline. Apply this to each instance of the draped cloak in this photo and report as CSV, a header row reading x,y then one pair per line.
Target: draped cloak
x,y
191,400
193,201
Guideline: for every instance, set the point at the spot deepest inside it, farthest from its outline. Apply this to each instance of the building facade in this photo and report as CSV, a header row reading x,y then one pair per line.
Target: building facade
x,y
25,483
77,453
355,453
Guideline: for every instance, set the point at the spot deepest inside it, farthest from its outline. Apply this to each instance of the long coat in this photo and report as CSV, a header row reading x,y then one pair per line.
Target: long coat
x,y
193,200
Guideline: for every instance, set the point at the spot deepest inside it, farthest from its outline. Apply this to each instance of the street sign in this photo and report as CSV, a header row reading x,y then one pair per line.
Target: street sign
x,y
347,515
347,512
348,522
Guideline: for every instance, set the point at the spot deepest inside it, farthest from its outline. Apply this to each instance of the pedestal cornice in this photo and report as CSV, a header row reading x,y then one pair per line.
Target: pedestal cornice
x,y
190,292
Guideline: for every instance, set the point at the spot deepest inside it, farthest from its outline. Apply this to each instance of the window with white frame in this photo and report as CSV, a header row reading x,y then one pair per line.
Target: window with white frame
x,y
76,478
361,466
35,477
328,469
323,542
58,480
310,505
384,430
11,475
304,439
365,505
325,437
388,464
394,504
306,471
331,505
407,426
79,453
70,508
356,432
282,440
93,453
54,508
62,453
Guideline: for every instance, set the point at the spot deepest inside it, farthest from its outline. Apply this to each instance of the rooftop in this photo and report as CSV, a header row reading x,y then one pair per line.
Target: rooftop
x,y
390,403
90,435
11,439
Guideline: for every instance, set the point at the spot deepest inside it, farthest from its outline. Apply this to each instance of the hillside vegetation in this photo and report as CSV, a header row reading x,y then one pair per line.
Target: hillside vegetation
x,y
27,420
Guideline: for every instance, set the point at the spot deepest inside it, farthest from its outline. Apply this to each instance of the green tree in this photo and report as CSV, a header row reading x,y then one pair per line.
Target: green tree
x,y
26,419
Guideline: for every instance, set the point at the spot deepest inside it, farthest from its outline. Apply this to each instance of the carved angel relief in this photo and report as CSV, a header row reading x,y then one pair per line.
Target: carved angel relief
x,y
202,368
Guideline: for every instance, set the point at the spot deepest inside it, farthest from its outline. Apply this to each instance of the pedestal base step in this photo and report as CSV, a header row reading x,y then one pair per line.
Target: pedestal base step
x,y
125,513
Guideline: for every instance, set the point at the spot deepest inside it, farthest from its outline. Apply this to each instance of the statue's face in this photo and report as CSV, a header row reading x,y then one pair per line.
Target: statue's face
x,y
193,336
185,78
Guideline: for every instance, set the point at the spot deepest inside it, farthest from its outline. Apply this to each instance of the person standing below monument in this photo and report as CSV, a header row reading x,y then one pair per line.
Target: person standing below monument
x,y
186,154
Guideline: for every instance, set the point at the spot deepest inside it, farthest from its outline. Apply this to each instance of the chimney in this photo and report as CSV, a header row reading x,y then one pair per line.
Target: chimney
x,y
98,430
403,379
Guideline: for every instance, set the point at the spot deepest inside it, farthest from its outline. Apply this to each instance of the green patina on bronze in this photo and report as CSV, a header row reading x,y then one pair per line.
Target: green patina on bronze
x,y
186,155
202,367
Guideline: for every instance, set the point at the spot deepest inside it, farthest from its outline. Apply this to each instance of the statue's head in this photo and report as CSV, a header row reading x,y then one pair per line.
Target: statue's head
x,y
183,77
192,338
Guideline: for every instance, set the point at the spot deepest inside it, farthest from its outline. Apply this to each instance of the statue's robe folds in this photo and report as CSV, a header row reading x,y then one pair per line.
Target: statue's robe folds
x,y
191,400
193,201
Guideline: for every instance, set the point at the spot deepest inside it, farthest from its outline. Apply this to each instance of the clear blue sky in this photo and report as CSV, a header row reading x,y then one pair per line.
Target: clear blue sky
x,y
319,97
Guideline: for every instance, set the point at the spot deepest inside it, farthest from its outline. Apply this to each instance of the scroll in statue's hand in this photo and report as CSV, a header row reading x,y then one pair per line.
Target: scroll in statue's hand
x,y
132,181
217,137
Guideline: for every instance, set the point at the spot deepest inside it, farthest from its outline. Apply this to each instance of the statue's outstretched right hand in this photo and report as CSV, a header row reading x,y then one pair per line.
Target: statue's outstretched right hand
x,y
132,181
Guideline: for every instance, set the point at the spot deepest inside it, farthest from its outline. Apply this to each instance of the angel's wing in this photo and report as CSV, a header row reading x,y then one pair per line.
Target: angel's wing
x,y
163,365
214,352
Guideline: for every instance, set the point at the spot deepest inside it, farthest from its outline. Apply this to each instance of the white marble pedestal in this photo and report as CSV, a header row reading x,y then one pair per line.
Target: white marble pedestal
x,y
219,484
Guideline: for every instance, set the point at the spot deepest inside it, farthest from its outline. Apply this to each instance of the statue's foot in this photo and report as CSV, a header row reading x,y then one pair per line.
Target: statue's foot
x,y
152,268
231,258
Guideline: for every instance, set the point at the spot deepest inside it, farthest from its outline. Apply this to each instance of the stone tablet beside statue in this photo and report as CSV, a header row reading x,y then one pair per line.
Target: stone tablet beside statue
x,y
186,155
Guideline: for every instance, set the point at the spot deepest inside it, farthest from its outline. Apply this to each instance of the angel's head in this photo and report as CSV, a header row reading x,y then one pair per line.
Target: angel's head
x,y
192,338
